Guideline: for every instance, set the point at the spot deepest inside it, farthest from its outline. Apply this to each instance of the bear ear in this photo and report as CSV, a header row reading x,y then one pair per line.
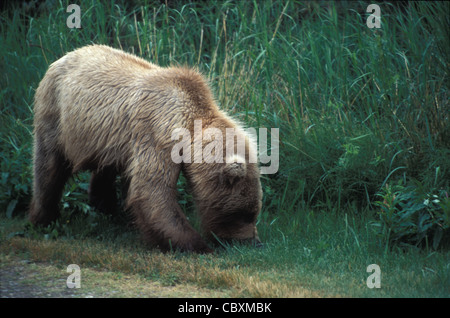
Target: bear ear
x,y
234,170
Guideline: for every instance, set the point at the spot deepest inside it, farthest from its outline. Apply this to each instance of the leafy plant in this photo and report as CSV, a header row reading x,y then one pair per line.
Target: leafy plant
x,y
409,215
15,180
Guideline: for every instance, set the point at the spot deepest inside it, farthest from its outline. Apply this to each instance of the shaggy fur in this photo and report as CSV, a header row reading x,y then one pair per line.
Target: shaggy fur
x,y
110,112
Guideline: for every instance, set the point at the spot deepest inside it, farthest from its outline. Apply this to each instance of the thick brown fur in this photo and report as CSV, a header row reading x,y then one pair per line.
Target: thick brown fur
x,y
104,110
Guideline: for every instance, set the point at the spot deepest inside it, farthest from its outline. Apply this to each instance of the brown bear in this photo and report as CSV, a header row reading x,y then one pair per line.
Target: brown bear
x,y
110,112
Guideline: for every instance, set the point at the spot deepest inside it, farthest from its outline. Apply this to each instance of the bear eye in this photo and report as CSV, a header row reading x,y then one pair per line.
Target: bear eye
x,y
245,216
239,216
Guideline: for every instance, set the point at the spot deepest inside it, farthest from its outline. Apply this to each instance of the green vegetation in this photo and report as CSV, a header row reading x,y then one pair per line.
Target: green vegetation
x,y
364,140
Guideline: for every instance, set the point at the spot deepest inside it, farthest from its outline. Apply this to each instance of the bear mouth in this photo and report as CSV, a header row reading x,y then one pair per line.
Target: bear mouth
x,y
227,242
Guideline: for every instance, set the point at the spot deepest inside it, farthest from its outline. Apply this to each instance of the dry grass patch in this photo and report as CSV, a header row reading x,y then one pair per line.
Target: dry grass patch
x,y
111,272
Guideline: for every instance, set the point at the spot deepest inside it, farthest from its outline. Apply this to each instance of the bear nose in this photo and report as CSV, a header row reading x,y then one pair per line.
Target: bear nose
x,y
257,243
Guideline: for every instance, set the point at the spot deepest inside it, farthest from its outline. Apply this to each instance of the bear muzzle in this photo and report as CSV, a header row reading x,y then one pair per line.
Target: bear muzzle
x,y
253,241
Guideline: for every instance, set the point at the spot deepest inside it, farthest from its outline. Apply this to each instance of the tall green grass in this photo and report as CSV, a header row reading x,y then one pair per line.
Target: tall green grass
x,y
357,108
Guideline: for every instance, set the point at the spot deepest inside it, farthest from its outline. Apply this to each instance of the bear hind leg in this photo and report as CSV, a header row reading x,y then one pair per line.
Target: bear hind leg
x,y
102,190
51,171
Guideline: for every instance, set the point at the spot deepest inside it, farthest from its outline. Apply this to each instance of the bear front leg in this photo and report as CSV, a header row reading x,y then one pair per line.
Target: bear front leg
x,y
51,171
168,232
152,198
162,222
102,190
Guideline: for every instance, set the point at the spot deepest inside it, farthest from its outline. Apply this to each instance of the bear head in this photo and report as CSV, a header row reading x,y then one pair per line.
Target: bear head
x,y
228,198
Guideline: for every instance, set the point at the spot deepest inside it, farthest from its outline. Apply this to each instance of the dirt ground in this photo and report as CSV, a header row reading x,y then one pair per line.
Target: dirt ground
x,y
25,279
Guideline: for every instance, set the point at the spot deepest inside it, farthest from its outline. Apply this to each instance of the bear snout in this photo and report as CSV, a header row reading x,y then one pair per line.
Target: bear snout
x,y
255,242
